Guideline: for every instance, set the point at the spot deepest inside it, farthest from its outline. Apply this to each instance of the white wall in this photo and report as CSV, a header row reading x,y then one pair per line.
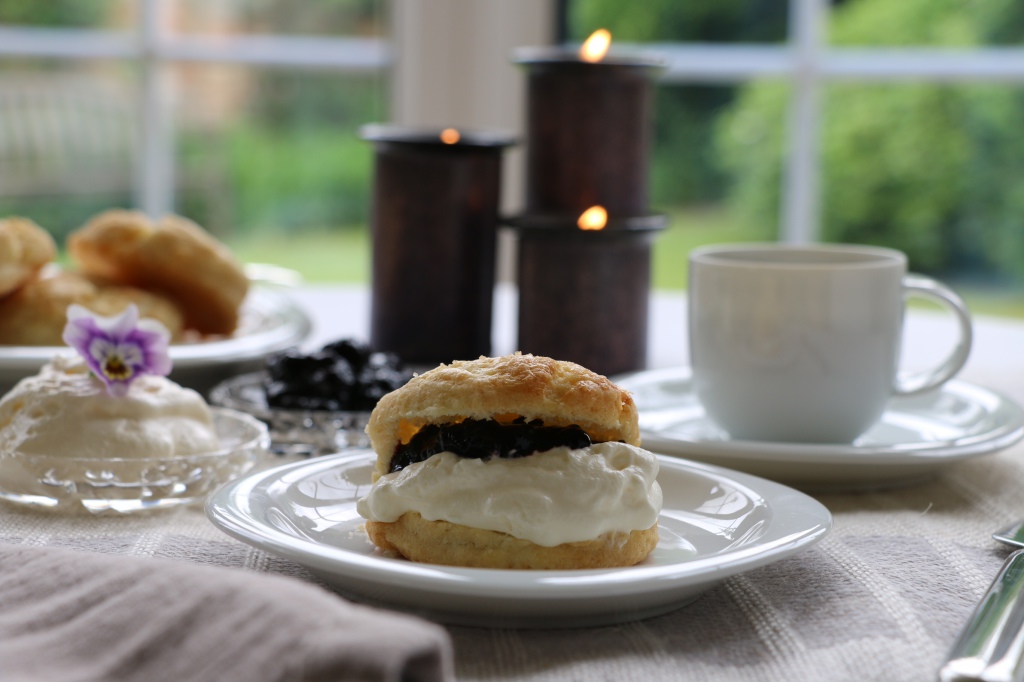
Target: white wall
x,y
452,67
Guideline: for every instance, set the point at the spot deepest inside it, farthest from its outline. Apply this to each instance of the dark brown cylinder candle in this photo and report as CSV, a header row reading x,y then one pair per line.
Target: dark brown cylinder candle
x,y
434,219
583,295
588,131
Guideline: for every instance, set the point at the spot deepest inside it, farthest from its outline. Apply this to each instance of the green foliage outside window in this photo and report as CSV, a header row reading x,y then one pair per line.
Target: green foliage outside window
x,y
932,169
935,170
684,170
53,13
290,157
287,179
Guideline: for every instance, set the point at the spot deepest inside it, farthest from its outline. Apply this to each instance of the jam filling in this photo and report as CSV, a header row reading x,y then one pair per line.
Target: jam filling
x,y
486,438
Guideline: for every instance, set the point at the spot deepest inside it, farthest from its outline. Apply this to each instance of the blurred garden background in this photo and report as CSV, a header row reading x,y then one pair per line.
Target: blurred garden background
x,y
269,158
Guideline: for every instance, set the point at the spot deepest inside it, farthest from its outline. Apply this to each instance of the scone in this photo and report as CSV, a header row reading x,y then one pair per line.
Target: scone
x,y
174,257
511,462
24,249
35,314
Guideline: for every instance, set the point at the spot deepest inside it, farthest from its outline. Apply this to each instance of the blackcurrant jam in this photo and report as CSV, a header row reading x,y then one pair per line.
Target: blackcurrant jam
x,y
341,376
486,438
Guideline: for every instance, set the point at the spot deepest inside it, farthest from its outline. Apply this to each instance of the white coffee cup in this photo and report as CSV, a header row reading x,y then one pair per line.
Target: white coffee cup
x,y
802,343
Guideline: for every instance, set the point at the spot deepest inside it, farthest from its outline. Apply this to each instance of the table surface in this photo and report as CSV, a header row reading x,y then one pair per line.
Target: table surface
x,y
881,598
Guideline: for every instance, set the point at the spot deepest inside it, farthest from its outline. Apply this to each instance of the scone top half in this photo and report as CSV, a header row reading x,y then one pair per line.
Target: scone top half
x,y
557,393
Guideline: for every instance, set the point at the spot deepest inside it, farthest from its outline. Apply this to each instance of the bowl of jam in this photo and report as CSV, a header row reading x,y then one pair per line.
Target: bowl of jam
x,y
316,403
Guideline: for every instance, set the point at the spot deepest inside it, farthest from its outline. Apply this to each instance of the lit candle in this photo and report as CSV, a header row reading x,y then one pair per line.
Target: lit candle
x,y
589,121
434,220
584,283
594,218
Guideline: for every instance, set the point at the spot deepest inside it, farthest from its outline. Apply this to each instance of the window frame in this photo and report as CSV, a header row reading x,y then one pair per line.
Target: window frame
x,y
805,60
810,64
156,50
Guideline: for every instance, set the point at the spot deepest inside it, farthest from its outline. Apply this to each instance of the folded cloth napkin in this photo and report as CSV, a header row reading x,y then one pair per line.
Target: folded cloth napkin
x,y
70,616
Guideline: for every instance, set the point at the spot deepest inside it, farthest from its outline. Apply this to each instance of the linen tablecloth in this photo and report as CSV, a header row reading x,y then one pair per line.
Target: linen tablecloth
x,y
881,598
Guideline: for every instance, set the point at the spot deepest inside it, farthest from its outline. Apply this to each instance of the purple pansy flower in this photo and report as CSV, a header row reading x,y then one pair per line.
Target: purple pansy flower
x,y
118,349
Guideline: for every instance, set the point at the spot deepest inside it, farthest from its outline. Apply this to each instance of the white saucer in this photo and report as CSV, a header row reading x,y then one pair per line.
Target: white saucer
x,y
714,524
915,438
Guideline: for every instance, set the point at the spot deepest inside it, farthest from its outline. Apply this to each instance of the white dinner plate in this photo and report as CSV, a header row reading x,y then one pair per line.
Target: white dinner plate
x,y
715,523
915,439
270,321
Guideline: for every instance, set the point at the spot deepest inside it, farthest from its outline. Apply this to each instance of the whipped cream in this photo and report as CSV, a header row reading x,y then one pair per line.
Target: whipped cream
x,y
64,410
548,498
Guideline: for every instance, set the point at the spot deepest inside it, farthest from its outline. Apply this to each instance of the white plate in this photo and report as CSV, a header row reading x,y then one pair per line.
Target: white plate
x,y
916,437
714,524
270,321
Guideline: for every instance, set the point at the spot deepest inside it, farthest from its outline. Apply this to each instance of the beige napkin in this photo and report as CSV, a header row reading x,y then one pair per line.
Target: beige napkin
x,y
70,616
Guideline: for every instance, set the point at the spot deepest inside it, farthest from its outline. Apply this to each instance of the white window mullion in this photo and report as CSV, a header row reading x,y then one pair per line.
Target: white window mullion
x,y
342,55
717,63
156,182
801,186
922,64
66,43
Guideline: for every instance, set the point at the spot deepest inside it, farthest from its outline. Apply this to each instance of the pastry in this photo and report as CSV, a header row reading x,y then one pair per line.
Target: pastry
x,y
511,462
173,257
24,249
35,314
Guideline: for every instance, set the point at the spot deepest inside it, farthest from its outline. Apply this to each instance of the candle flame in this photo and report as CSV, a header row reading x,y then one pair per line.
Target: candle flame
x,y
596,46
594,218
450,136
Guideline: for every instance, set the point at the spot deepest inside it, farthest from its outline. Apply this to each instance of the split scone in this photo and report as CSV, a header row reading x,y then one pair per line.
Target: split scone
x,y
173,257
511,462
36,313
24,249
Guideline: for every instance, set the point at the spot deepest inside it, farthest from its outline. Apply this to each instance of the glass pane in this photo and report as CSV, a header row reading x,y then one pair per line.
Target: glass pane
x,y
945,23
68,140
365,18
270,160
105,14
728,21
698,141
706,140
935,171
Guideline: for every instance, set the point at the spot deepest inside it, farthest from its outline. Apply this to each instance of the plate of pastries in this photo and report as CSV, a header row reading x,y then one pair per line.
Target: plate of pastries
x,y
170,268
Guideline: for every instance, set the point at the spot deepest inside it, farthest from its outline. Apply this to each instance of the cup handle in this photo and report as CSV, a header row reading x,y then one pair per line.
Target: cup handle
x,y
926,287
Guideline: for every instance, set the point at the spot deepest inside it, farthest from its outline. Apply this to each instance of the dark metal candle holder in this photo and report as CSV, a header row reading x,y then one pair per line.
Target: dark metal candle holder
x,y
434,219
588,131
583,294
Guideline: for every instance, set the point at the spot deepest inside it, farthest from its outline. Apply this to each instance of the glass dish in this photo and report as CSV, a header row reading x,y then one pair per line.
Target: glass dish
x,y
74,484
293,432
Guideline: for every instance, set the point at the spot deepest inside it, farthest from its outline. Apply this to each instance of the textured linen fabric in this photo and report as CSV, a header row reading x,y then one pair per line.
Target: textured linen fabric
x,y
69,615
881,598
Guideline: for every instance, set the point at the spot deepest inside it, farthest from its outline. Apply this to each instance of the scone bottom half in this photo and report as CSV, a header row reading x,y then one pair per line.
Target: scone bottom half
x,y
451,544
508,407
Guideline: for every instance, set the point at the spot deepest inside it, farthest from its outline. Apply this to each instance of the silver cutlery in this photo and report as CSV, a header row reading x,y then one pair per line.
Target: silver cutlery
x,y
990,648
